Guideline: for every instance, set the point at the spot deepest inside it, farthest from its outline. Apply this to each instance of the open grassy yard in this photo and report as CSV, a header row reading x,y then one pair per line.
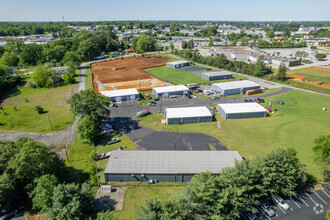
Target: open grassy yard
x,y
136,196
89,80
313,74
79,155
296,124
18,108
175,76
144,100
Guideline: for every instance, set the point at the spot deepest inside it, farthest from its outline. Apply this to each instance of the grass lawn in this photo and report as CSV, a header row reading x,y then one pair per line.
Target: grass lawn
x,y
89,81
175,76
144,100
313,74
172,59
79,158
136,196
19,113
296,124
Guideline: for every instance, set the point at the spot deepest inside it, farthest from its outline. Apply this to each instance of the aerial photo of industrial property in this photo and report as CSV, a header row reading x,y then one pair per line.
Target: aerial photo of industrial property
x,y
166,110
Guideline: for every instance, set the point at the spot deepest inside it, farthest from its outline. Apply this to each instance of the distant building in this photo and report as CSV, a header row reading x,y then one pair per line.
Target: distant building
x,y
121,94
234,87
241,110
167,91
217,75
188,115
177,64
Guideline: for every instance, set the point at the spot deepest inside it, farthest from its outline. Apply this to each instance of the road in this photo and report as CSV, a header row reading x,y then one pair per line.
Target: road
x,y
261,82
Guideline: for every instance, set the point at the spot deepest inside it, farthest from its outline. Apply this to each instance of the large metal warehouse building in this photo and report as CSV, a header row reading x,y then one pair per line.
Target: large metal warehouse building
x,y
167,91
165,166
177,64
234,87
188,115
121,94
217,75
241,110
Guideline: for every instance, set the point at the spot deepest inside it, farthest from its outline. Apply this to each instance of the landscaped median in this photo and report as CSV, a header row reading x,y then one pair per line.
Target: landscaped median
x,y
296,124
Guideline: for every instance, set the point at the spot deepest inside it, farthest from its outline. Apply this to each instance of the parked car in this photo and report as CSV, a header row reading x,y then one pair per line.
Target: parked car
x,y
173,97
256,100
261,100
105,126
326,187
245,100
211,91
269,109
107,131
250,100
280,202
280,102
192,86
152,103
138,99
206,92
215,97
265,88
102,156
147,96
267,209
142,113
251,215
112,104
113,140
156,99
195,96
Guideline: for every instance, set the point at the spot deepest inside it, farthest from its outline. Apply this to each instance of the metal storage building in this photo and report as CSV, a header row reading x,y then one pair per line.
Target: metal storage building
x,y
217,75
121,94
167,91
165,166
241,110
177,64
234,87
188,115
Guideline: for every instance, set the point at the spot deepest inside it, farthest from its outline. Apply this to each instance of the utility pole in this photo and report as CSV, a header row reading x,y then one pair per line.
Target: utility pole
x,y
50,122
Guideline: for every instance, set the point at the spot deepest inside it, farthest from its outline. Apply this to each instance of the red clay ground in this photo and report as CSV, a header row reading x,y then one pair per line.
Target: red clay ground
x,y
300,78
127,73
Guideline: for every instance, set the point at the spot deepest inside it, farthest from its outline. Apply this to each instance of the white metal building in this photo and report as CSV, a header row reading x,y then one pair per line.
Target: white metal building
x,y
188,115
121,94
165,166
167,91
177,64
241,110
234,87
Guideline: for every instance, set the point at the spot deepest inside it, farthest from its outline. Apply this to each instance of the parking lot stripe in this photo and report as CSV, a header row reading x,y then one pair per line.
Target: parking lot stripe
x,y
243,215
325,193
263,212
280,208
301,199
295,202
320,197
310,198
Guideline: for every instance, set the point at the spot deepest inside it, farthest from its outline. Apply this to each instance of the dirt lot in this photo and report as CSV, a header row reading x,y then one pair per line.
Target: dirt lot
x,y
316,76
110,201
127,73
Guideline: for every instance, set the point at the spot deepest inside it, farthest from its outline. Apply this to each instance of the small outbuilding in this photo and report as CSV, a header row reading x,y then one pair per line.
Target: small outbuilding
x,y
167,91
217,75
121,94
188,115
165,166
241,110
177,64
234,87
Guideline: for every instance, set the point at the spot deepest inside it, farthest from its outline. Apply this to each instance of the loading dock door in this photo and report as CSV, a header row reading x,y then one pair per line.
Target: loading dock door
x,y
118,99
132,97
165,94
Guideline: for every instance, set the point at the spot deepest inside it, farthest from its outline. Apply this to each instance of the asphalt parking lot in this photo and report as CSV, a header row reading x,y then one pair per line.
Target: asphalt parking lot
x,y
307,205
192,68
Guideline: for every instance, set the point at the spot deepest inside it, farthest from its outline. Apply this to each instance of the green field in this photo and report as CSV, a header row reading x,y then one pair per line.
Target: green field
x,y
136,196
19,113
89,80
79,155
314,74
296,124
144,100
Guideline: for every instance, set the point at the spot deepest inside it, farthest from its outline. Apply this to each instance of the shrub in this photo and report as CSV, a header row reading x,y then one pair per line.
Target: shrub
x,y
39,109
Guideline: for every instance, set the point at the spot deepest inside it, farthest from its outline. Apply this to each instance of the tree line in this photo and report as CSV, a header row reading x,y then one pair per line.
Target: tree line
x,y
235,190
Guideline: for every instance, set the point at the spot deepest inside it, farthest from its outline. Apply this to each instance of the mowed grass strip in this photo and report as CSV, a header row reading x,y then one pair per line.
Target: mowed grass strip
x,y
175,76
136,196
296,124
19,114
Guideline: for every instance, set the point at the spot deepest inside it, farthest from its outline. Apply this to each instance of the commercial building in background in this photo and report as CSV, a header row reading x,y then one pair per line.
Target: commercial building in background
x,y
241,110
188,115
165,166
234,87
217,75
167,91
177,64
121,94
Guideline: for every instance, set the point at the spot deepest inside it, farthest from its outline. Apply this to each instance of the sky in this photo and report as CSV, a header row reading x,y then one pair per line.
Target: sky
x,y
206,10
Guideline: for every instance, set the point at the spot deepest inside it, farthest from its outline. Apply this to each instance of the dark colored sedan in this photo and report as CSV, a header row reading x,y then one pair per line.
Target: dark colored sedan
x,y
280,102
156,99
245,100
261,100
250,100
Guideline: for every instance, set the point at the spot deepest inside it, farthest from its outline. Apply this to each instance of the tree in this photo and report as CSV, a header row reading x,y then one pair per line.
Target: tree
x,y
87,102
270,34
321,155
281,74
7,191
87,50
145,43
33,160
9,59
53,53
42,193
233,43
41,76
87,129
72,60
151,210
320,56
30,54
210,43
302,54
171,46
14,45
244,42
70,201
106,215
5,70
